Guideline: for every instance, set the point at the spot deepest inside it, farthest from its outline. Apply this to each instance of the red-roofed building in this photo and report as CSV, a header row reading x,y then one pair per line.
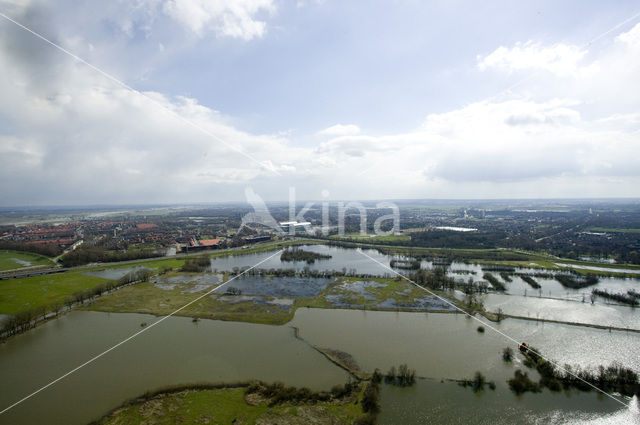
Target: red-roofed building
x,y
195,244
210,242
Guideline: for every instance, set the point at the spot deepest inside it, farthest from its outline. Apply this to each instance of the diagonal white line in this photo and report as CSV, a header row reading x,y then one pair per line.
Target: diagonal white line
x,y
91,360
491,327
266,164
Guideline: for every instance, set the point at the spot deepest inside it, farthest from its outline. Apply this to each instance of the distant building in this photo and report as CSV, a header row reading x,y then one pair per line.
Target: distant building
x,y
210,243
200,244
255,239
288,225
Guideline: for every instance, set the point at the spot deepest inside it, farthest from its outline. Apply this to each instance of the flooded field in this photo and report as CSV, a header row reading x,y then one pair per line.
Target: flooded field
x,y
348,259
114,273
197,282
179,351
438,402
439,346
519,298
282,286
567,311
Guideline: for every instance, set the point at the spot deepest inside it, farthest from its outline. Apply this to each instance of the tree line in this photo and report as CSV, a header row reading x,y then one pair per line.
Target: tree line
x,y
27,319
301,255
613,378
95,254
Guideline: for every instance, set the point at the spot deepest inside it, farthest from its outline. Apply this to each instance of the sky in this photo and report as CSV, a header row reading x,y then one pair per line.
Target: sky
x,y
191,101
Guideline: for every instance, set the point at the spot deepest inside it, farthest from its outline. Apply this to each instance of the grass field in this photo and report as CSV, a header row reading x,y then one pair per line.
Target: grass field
x,y
372,238
227,406
10,260
40,291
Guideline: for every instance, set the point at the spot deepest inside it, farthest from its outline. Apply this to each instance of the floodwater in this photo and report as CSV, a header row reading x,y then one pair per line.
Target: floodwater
x,y
441,346
352,259
179,351
599,269
567,311
281,286
176,351
114,273
435,402
520,299
438,346
341,258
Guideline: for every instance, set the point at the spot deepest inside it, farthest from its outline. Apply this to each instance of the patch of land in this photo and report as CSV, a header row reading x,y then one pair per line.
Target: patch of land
x,y
345,361
379,294
297,254
264,299
35,292
10,260
162,299
247,404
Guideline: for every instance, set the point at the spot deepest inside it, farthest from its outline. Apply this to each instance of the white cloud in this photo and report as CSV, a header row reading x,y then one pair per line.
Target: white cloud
x,y
74,137
340,130
631,37
560,59
236,19
90,141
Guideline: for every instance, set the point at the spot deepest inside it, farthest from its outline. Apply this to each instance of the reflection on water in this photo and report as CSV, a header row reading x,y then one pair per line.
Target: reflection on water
x,y
599,269
567,311
114,273
447,403
341,258
449,346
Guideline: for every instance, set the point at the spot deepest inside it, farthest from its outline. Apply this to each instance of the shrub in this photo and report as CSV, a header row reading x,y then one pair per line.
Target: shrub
x,y
507,354
521,383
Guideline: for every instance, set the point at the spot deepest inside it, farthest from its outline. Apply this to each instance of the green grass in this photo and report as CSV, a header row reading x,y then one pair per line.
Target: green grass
x,y
391,238
153,263
223,406
7,260
219,406
41,291
613,230
372,238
